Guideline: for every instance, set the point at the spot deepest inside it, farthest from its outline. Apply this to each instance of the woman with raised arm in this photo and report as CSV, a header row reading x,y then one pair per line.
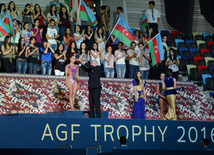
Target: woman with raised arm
x,y
27,14
21,59
8,53
89,37
67,38
33,53
84,56
161,92
53,15
72,79
140,97
170,86
79,36
100,40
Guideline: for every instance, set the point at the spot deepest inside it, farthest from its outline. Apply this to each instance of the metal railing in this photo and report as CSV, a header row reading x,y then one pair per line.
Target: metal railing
x,y
93,147
65,146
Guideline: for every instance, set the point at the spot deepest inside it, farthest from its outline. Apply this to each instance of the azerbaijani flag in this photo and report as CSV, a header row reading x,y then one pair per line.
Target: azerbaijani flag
x,y
156,49
69,3
123,32
2,30
86,14
7,21
144,25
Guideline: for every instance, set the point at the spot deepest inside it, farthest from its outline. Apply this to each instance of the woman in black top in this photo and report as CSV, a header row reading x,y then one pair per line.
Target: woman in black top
x,y
89,37
72,50
60,58
33,53
162,100
21,61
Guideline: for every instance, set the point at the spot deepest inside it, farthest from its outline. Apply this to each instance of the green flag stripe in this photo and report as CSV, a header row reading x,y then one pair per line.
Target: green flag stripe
x,y
145,24
121,37
84,15
8,28
151,48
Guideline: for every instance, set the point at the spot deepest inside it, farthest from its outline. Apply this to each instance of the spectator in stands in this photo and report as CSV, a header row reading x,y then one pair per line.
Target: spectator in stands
x,y
14,13
72,79
53,15
162,99
37,33
65,19
3,11
133,60
52,35
95,54
205,144
173,64
79,36
120,13
103,16
89,37
84,56
153,17
109,63
170,87
138,40
46,58
18,31
8,52
21,59
57,4
144,58
26,33
33,53
123,143
100,40
38,14
120,57
68,38
72,50
60,58
165,46
107,14
27,14
115,42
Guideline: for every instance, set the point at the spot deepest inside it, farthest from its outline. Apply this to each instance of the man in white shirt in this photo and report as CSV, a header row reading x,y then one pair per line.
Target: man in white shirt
x,y
133,60
153,17
52,35
120,13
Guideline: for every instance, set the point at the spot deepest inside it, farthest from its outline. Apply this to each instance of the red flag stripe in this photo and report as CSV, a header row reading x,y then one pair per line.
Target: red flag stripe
x,y
82,8
144,21
6,21
121,29
4,33
156,50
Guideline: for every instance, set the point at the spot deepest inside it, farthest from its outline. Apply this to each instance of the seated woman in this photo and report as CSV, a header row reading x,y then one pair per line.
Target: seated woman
x,y
140,97
170,85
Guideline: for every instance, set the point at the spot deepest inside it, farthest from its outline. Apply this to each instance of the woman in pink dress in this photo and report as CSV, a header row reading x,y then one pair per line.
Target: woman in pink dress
x,y
72,79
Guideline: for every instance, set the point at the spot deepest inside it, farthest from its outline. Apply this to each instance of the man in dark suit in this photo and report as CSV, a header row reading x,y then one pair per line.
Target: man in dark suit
x,y
94,86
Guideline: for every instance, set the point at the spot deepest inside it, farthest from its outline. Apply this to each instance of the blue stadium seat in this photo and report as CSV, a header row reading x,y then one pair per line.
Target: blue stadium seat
x,y
192,50
178,41
205,34
189,41
204,76
182,49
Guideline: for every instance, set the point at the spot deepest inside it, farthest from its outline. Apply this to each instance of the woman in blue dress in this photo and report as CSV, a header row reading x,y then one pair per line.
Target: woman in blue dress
x,y
170,87
140,97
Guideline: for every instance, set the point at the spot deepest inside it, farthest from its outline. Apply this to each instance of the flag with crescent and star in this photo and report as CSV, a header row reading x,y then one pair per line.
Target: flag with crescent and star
x,y
123,32
156,49
144,25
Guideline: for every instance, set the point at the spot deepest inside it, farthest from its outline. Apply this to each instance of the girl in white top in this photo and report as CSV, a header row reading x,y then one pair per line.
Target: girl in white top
x,y
79,36
95,54
165,46
120,57
138,40
100,40
173,63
